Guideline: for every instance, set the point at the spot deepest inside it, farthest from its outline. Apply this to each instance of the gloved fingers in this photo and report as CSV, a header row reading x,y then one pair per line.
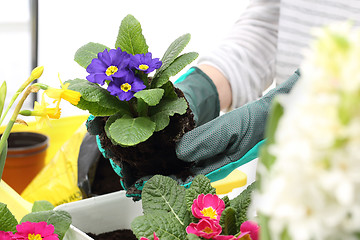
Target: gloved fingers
x,y
233,133
214,137
283,88
94,125
201,94
134,191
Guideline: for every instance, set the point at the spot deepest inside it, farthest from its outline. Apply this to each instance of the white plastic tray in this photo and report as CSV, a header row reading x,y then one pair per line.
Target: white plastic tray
x,y
102,214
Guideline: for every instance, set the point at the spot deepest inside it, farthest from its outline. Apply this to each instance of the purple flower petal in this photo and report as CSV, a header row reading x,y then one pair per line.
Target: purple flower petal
x,y
145,63
109,64
137,85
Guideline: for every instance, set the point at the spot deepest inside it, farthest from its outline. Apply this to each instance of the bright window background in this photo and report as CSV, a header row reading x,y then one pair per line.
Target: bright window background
x,y
66,25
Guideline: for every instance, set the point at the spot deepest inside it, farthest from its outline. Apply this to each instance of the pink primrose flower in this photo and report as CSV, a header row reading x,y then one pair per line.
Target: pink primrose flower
x,y
208,206
35,231
155,238
6,235
251,228
205,228
242,236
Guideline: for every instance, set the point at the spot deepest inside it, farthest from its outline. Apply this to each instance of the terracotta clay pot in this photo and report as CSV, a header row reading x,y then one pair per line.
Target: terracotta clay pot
x,y
25,158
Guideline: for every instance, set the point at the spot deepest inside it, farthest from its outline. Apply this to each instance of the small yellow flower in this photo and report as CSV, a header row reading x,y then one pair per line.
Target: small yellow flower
x,y
71,96
43,113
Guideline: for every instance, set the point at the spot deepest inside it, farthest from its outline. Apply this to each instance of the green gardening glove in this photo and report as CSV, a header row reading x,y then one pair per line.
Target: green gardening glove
x,y
201,94
214,147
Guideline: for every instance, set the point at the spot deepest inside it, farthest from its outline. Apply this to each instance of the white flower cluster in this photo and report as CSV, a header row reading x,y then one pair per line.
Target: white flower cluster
x,y
313,189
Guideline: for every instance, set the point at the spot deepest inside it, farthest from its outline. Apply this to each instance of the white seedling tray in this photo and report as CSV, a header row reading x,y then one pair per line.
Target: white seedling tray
x,y
101,214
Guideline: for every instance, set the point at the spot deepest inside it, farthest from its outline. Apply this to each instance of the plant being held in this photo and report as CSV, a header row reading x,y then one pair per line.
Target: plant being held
x,y
174,212
42,223
119,85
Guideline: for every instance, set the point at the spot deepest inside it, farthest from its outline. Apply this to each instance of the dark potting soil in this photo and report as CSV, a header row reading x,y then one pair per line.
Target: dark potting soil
x,y
156,155
123,234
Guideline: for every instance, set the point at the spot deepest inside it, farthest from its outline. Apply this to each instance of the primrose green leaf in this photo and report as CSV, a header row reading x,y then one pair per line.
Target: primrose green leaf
x,y
160,114
169,91
97,100
173,51
151,96
130,38
3,89
42,205
200,184
191,236
174,68
241,204
164,195
61,220
85,54
164,224
7,220
128,131
228,222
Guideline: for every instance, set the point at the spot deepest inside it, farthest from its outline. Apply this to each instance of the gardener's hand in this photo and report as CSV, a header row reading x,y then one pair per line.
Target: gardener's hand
x,y
214,146
227,138
201,94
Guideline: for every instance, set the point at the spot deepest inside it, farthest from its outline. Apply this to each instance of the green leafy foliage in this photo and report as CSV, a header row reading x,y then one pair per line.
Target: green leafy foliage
x,y
130,38
96,99
164,208
192,237
174,68
161,113
150,96
61,220
87,53
128,131
173,52
3,89
228,221
42,205
241,204
200,184
7,220
167,208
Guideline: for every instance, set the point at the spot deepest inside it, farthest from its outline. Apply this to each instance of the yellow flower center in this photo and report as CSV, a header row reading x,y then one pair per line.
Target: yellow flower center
x,y
125,87
32,236
111,70
209,212
207,230
144,67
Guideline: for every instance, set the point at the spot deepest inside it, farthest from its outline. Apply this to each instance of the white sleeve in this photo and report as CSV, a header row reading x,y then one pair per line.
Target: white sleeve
x,y
246,56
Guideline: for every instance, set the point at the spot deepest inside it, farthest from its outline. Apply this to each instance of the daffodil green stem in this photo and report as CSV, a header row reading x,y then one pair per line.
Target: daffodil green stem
x,y
35,74
14,97
6,133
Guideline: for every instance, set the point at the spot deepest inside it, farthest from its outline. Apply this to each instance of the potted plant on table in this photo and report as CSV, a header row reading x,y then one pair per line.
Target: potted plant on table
x,y
139,115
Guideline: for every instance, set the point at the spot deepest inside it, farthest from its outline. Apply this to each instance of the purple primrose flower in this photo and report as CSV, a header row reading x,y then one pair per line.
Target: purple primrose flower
x,y
125,87
107,66
145,62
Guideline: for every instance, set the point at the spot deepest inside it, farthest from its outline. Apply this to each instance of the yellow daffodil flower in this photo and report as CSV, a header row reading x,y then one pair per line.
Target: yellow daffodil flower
x,y
43,113
71,96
